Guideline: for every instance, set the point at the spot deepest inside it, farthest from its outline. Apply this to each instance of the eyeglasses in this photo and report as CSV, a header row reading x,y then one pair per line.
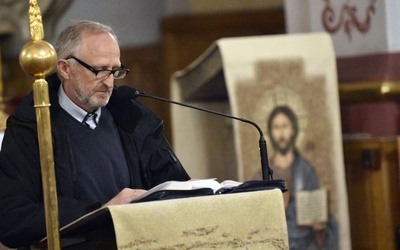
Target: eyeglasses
x,y
103,73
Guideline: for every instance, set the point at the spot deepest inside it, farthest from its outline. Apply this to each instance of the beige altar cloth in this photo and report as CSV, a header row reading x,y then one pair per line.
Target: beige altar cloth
x,y
249,220
249,77
252,220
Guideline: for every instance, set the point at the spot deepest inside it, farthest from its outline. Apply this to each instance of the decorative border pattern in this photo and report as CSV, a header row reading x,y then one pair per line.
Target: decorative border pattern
x,y
348,18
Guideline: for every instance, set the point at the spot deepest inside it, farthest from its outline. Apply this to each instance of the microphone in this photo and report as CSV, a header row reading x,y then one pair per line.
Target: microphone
x,y
267,175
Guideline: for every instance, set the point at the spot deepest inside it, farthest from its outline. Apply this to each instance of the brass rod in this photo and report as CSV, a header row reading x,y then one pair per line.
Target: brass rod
x,y
369,91
1,78
41,101
38,58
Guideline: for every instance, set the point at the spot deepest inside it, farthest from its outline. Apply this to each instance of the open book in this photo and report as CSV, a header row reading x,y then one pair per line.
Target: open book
x,y
181,188
311,207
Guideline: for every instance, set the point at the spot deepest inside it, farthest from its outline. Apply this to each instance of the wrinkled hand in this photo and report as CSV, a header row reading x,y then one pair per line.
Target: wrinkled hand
x,y
125,196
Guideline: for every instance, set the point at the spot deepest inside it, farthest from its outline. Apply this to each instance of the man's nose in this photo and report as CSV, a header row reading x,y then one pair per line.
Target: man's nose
x,y
109,81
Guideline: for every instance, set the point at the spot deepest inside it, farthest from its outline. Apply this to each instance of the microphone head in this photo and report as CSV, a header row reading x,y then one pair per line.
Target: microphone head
x,y
125,92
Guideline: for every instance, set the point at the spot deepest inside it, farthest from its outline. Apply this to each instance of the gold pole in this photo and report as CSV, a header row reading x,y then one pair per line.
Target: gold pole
x,y
369,91
38,58
1,78
3,115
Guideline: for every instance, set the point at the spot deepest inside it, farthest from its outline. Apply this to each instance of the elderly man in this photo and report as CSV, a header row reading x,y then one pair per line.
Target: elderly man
x,y
107,148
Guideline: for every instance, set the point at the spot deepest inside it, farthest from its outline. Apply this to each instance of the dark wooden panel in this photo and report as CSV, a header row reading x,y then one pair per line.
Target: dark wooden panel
x,y
185,38
372,175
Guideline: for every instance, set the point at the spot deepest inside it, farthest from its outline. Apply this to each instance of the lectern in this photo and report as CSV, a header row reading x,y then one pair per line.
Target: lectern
x,y
250,220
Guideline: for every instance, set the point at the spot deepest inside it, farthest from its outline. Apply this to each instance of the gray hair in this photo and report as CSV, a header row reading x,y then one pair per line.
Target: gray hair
x,y
68,42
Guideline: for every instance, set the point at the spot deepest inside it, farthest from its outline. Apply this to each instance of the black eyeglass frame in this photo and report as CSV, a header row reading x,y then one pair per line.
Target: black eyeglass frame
x,y
96,71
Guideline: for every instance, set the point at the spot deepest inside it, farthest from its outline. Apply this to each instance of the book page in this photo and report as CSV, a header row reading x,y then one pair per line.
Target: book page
x,y
230,183
190,185
311,207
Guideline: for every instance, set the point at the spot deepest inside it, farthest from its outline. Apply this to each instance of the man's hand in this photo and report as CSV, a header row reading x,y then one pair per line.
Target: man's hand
x,y
125,196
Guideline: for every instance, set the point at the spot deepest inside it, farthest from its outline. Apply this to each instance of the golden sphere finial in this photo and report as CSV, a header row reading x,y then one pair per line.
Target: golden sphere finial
x,y
38,58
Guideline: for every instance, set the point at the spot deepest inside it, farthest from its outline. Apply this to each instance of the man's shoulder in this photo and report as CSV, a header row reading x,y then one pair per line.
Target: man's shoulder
x,y
25,110
131,114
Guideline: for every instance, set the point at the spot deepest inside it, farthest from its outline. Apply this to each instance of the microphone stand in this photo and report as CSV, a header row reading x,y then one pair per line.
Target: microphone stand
x,y
267,174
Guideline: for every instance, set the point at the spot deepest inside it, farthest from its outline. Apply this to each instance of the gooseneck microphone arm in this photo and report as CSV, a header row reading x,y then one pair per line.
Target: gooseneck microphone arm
x,y
266,170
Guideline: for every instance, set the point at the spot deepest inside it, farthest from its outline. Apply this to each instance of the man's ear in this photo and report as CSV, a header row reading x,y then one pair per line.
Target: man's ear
x,y
63,68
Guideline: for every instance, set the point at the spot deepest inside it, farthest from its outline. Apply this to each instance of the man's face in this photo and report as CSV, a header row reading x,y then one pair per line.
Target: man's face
x,y
82,86
282,133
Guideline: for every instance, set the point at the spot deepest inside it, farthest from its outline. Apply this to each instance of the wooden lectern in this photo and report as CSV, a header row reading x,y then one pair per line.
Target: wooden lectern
x,y
249,220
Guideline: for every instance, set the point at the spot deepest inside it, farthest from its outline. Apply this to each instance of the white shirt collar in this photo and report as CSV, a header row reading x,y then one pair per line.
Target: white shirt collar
x,y
73,109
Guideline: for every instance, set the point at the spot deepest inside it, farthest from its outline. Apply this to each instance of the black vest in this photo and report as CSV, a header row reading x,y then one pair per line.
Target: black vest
x,y
98,159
